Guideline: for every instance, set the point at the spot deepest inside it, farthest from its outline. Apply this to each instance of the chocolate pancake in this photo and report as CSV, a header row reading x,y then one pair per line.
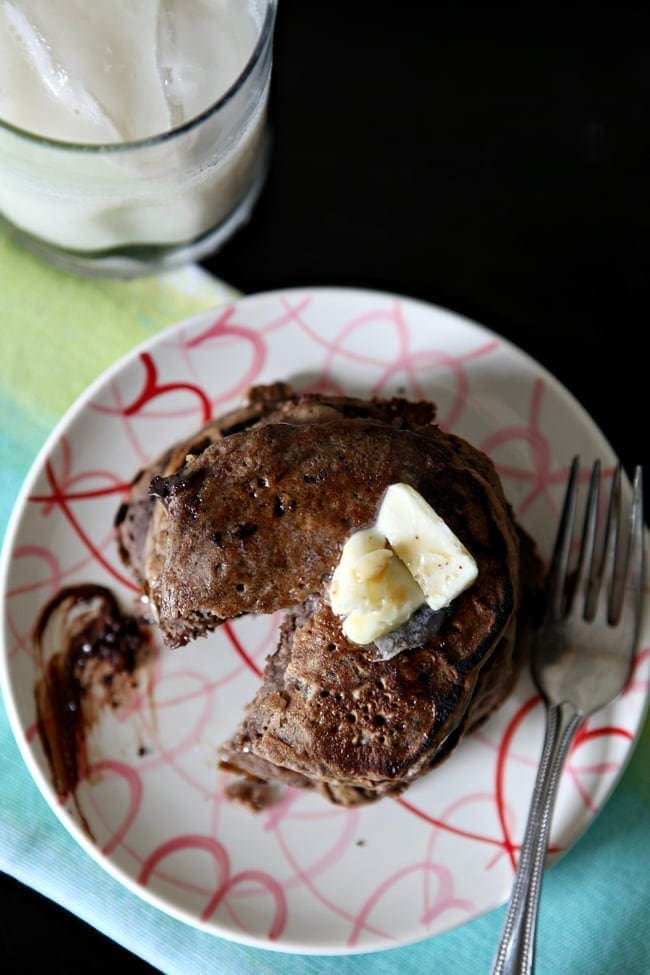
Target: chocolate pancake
x,y
257,522
254,519
330,715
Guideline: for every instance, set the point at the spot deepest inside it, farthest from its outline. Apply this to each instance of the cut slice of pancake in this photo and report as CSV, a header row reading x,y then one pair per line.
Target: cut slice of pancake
x,y
331,716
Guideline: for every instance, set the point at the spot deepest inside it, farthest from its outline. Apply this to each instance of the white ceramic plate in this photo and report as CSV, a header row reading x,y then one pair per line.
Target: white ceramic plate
x,y
304,875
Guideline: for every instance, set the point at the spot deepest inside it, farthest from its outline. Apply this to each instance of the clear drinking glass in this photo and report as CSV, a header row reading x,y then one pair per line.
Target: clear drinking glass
x,y
125,209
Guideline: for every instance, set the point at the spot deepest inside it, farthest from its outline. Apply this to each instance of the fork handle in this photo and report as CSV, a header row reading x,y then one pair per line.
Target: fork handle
x,y
516,952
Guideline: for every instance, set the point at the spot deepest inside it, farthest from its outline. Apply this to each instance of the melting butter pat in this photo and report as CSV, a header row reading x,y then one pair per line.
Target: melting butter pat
x,y
434,556
372,588
409,558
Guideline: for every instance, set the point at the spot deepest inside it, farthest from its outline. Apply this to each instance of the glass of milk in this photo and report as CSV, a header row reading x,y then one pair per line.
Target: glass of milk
x,y
133,133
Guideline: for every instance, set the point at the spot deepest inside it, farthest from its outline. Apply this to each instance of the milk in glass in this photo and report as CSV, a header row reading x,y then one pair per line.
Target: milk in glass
x,y
129,122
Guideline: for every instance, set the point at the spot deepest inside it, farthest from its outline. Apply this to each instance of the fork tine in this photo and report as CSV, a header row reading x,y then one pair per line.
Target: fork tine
x,y
632,582
585,572
602,594
560,558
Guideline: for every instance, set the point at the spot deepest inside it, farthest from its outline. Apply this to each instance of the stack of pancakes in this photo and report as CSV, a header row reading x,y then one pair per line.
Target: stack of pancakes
x,y
250,516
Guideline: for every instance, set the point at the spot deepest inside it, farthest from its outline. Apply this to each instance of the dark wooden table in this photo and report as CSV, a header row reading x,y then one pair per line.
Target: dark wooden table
x,y
490,161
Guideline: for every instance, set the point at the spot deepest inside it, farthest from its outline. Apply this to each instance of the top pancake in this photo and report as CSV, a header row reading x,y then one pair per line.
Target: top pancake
x,y
257,520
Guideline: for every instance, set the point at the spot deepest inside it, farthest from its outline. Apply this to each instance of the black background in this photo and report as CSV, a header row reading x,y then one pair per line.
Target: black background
x,y
491,160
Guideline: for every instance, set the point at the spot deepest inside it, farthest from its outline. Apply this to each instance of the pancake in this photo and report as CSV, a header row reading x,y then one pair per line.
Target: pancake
x,y
330,715
252,517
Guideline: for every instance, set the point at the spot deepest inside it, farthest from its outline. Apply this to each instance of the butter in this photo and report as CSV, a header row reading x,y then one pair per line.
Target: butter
x,y
372,588
385,573
435,557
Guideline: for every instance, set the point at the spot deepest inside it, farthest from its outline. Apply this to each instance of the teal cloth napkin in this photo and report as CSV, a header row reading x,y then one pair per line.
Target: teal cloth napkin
x,y
58,333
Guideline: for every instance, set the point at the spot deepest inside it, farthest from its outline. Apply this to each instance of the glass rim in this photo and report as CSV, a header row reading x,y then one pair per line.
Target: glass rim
x,y
92,148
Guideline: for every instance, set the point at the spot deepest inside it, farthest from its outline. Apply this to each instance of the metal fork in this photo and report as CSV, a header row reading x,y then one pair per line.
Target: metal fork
x,y
583,650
